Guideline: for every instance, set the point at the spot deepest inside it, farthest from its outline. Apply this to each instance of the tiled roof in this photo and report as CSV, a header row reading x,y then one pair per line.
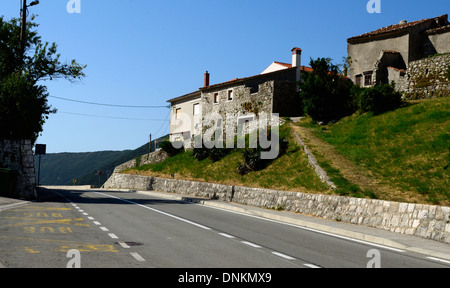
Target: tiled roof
x,y
438,29
303,68
242,79
441,20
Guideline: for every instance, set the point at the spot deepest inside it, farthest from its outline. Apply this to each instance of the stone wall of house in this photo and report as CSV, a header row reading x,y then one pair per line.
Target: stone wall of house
x,y
427,221
245,102
426,78
18,155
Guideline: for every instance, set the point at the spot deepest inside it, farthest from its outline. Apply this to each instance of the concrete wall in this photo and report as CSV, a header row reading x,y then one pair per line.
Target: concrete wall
x,y
427,221
18,155
364,56
440,41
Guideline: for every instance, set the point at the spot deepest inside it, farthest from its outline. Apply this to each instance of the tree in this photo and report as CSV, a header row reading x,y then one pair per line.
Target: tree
x,y
23,103
325,95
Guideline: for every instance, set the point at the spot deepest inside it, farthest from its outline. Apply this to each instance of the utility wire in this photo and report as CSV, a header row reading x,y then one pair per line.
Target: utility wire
x,y
167,118
112,117
110,105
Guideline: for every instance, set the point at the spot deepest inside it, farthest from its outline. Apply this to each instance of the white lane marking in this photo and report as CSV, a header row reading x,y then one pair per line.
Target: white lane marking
x,y
104,229
251,244
226,235
158,211
438,259
283,255
308,229
97,223
124,245
85,214
90,218
113,236
137,256
311,266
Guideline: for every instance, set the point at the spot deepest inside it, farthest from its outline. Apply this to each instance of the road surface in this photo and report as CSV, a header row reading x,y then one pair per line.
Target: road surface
x,y
112,229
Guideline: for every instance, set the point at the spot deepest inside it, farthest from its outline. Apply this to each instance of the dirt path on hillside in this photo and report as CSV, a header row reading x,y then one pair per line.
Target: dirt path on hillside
x,y
354,173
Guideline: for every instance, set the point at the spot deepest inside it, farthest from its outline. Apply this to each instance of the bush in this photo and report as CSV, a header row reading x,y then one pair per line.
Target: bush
x,y
378,99
200,153
253,160
214,154
167,147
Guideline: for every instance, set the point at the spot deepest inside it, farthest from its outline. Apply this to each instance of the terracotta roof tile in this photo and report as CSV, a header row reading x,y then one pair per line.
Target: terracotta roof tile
x,y
303,68
441,20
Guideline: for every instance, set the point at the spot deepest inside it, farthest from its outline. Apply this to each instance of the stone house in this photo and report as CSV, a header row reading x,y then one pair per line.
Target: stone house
x,y
385,55
272,91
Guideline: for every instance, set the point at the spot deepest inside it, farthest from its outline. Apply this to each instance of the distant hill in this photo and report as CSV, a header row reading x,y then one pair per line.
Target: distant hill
x,y
62,168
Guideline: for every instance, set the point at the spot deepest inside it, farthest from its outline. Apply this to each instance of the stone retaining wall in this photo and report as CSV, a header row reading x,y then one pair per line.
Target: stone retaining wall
x,y
152,158
18,155
426,78
427,221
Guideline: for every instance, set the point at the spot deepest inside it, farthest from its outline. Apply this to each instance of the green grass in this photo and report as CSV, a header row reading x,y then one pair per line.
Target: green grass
x,y
408,148
289,172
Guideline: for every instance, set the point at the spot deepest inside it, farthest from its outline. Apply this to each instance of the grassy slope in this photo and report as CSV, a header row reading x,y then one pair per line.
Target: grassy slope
x,y
289,172
407,148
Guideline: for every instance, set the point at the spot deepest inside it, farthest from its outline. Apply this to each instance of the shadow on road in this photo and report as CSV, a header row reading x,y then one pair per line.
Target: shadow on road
x,y
80,197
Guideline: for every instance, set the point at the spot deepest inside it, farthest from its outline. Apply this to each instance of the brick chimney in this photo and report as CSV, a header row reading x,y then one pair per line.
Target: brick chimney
x,y
297,60
206,79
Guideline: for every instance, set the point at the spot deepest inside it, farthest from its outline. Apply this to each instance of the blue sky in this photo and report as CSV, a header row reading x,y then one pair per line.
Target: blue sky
x,y
144,52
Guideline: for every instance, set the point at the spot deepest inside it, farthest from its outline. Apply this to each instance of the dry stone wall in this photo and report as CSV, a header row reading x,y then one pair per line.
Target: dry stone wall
x,y
426,78
17,155
427,221
154,157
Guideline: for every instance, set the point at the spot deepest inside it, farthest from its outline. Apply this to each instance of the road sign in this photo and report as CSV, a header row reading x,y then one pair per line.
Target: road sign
x,y
40,149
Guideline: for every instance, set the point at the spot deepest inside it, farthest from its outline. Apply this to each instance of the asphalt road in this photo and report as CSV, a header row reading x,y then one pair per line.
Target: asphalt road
x,y
101,229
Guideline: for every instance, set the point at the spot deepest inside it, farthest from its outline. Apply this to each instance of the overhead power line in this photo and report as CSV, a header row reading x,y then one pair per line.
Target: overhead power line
x,y
109,105
112,117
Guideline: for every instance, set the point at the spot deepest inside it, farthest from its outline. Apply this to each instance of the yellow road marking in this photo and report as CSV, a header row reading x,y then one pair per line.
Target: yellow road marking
x,y
90,248
28,208
34,221
67,244
31,251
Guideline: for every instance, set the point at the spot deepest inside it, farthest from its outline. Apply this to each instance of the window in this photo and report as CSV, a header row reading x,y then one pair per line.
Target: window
x,y
230,95
358,80
368,79
178,114
196,109
216,98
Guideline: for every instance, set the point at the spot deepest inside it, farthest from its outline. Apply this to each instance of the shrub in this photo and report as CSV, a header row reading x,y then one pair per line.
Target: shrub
x,y
378,99
253,160
168,147
200,153
214,154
